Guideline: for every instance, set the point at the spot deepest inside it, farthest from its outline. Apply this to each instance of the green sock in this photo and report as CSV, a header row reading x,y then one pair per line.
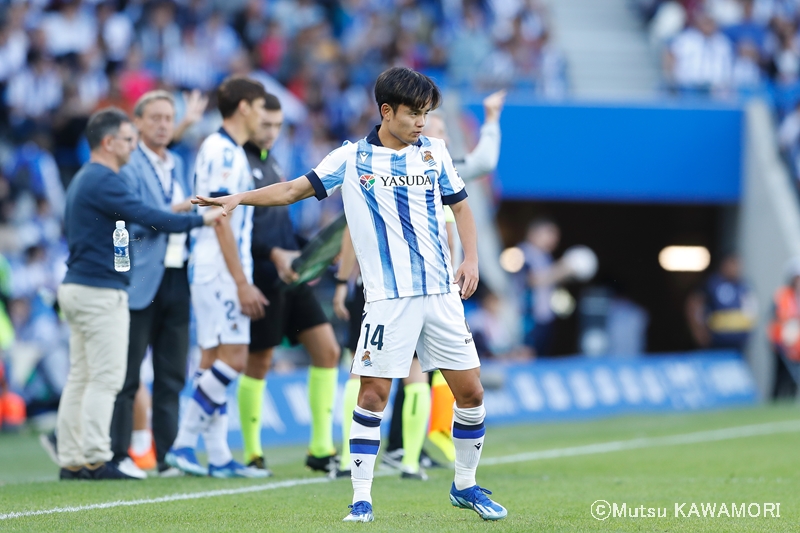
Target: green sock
x,y
251,402
416,411
321,395
349,402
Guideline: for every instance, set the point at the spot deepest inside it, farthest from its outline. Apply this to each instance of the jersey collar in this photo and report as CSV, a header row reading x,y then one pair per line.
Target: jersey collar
x,y
374,140
227,135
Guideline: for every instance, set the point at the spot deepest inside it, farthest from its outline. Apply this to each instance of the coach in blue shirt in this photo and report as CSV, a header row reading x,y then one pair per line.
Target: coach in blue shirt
x,y
93,295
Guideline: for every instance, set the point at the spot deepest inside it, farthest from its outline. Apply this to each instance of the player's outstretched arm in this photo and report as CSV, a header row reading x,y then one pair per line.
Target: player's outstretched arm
x,y
467,274
284,193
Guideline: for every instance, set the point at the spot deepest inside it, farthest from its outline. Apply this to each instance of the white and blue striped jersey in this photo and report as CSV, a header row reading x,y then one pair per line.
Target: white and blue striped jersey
x,y
221,168
393,203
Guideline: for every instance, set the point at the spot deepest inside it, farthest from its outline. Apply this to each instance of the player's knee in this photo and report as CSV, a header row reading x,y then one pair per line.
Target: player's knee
x,y
470,396
372,398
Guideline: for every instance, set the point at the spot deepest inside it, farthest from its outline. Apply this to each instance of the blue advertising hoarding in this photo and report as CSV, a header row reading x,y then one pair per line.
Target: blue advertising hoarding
x,y
542,391
659,153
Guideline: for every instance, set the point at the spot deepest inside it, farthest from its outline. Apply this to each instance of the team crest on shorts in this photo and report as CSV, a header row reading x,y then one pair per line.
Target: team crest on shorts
x,y
427,157
367,181
365,360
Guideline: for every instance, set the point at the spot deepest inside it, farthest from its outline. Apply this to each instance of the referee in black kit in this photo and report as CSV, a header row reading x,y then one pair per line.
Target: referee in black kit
x,y
293,312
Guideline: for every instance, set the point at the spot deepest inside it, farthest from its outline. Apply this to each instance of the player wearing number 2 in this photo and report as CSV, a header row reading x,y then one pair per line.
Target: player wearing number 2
x,y
394,185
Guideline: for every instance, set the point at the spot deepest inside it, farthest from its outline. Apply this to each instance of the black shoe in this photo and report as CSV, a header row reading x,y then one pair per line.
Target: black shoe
x,y
393,458
326,464
50,444
419,476
107,470
426,461
65,474
260,464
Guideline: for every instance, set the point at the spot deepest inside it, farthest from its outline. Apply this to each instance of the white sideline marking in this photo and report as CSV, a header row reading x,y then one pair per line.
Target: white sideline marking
x,y
738,432
650,442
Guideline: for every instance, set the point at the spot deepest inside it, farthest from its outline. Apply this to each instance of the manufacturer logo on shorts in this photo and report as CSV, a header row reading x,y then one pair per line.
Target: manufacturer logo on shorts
x,y
365,360
367,181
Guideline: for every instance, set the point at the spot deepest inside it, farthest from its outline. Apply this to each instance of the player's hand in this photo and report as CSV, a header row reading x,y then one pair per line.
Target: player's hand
x,y
283,263
467,278
339,297
196,103
493,106
227,203
211,217
252,300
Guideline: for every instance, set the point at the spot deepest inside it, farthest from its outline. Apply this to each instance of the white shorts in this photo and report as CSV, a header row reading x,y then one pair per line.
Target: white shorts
x,y
218,313
432,325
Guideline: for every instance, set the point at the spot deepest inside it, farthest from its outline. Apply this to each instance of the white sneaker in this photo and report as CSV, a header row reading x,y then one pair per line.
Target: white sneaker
x,y
170,472
129,468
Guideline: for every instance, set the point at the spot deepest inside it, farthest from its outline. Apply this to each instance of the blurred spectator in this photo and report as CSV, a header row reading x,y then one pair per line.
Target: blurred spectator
x,y
116,33
187,65
784,333
492,333
538,279
34,94
723,313
700,59
160,33
69,29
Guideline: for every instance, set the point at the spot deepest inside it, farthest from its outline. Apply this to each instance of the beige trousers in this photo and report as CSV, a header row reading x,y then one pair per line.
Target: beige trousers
x,y
98,351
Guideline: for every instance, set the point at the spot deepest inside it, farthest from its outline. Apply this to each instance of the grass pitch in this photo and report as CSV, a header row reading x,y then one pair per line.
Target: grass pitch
x,y
548,476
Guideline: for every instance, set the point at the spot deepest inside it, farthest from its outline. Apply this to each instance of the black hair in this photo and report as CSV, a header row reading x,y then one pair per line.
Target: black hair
x,y
271,102
541,222
404,86
235,89
103,123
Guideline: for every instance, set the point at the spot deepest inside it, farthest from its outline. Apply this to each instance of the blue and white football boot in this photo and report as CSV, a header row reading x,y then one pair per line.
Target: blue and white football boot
x,y
361,512
186,461
476,498
234,469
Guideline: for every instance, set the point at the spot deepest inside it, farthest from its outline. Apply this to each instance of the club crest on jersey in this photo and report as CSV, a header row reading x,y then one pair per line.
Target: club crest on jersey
x,y
365,360
227,158
367,181
427,157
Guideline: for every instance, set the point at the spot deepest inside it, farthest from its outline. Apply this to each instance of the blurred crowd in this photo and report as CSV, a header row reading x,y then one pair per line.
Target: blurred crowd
x,y
60,60
730,48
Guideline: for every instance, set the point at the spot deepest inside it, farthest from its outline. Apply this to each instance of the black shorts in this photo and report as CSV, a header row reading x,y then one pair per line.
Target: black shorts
x,y
291,311
356,308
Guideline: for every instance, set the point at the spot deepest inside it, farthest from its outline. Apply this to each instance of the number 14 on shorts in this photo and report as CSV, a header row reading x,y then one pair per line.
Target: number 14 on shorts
x,y
377,336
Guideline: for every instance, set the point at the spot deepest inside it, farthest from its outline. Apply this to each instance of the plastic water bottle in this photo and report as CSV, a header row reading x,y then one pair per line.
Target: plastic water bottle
x,y
122,261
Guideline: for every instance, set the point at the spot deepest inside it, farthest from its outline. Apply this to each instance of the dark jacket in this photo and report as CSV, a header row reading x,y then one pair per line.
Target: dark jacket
x,y
96,198
272,226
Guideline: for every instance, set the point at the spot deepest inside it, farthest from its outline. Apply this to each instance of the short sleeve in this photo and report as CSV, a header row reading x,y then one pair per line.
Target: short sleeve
x,y
328,176
451,186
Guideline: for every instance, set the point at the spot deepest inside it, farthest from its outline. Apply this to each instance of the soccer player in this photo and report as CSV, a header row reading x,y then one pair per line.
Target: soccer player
x,y
220,277
293,312
394,183
410,418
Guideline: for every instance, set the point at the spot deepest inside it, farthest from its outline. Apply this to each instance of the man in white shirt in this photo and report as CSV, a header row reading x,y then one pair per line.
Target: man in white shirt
x,y
394,184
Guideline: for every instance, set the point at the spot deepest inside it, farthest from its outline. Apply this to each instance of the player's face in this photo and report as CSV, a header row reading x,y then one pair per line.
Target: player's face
x,y
269,129
157,124
255,114
123,143
406,124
